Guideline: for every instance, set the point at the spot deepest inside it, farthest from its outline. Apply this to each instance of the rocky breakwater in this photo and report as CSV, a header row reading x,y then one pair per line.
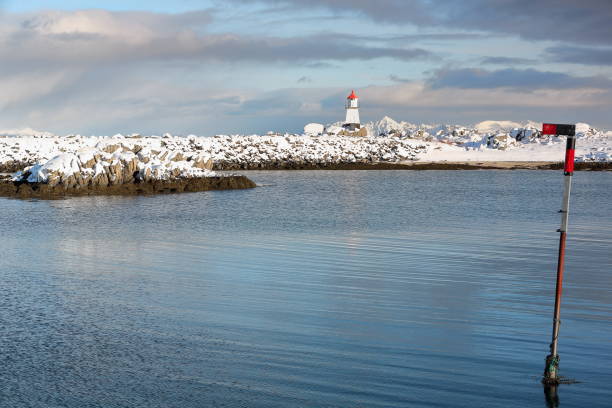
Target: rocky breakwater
x,y
227,152
300,152
117,169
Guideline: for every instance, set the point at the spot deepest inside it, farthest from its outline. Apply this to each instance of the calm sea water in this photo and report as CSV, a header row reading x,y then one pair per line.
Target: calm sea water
x,y
318,289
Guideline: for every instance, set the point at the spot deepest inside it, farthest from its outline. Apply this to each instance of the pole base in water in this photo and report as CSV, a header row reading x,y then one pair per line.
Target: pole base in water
x,y
551,373
551,370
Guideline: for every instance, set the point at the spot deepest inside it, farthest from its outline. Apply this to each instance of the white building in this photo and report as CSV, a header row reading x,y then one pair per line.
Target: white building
x,y
352,113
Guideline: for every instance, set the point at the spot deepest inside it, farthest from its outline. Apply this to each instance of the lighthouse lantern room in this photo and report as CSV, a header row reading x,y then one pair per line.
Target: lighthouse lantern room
x,y
352,113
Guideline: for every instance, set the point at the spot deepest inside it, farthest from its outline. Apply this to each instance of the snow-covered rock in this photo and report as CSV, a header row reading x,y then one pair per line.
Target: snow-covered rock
x,y
314,129
114,166
496,126
333,129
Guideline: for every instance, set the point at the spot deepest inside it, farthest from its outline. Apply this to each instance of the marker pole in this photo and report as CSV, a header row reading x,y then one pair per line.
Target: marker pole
x,y
552,360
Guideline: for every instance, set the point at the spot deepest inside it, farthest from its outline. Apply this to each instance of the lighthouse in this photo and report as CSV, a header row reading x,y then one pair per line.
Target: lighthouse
x,y
352,113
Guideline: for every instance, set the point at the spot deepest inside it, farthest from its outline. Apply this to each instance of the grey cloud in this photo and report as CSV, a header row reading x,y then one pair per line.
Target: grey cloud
x,y
412,38
581,55
304,80
395,78
470,78
317,65
300,49
507,61
437,37
382,10
586,21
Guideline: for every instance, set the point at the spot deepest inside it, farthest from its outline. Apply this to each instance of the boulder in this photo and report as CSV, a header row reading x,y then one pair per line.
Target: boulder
x,y
100,180
500,142
82,180
178,156
203,163
363,132
126,175
314,129
115,172
54,178
112,148
146,173
68,181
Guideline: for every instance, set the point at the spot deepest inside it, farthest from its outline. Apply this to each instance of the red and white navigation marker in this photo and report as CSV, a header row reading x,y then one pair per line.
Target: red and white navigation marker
x,y
552,360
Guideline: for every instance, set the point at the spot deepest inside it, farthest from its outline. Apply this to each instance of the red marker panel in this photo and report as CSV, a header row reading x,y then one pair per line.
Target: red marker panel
x,y
558,129
569,155
549,129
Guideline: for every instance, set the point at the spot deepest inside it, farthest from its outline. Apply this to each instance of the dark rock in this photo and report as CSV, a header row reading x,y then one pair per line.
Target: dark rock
x,y
9,188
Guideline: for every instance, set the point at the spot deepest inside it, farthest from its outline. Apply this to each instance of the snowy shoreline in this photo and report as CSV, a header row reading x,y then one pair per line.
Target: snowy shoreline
x,y
388,143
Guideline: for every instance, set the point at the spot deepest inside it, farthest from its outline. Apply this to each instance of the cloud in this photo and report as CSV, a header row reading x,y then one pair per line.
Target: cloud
x,y
507,61
586,21
137,27
438,37
97,36
580,55
22,88
419,93
317,65
419,37
304,80
526,79
105,103
395,78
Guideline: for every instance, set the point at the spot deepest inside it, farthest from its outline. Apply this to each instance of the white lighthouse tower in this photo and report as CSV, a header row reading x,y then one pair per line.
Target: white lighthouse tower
x,y
352,113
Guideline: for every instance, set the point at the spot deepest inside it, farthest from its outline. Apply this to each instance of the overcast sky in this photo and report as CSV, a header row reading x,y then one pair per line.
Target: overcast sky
x,y
238,66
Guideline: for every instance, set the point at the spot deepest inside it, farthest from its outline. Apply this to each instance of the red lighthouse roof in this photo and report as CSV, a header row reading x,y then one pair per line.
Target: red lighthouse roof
x,y
352,95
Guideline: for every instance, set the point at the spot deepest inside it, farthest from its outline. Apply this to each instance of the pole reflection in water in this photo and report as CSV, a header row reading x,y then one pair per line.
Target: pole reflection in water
x,y
551,396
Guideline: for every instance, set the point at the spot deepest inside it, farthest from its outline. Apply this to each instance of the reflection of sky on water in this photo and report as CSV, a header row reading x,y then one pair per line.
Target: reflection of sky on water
x,y
371,288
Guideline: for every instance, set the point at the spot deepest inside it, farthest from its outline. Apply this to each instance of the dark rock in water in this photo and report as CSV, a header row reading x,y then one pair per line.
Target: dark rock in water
x,y
24,189
99,173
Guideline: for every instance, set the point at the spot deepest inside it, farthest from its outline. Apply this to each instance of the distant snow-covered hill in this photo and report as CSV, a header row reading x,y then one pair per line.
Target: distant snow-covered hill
x,y
25,132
